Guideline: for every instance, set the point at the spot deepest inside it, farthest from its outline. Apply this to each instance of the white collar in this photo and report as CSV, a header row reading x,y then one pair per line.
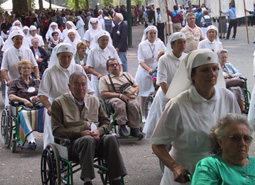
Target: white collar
x,y
197,98
75,100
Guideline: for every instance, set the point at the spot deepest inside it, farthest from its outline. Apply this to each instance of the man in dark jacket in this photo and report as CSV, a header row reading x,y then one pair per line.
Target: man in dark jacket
x,y
119,38
40,55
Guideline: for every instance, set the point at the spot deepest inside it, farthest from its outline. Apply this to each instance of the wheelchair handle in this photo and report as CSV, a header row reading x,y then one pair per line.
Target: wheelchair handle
x,y
187,176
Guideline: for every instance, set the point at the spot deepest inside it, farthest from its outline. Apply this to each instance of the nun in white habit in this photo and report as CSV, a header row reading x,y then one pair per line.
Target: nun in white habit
x,y
53,27
91,33
55,83
33,34
69,25
198,99
167,67
148,51
16,23
212,41
98,56
80,26
73,38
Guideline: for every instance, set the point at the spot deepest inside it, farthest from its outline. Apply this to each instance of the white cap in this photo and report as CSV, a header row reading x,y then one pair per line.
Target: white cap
x,y
32,27
65,47
173,37
16,32
25,28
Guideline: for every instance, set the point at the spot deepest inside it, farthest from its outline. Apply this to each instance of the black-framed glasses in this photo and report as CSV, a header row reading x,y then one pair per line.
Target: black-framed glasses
x,y
237,138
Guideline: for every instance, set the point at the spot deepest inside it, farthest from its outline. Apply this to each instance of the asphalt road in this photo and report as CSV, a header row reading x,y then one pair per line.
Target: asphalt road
x,y
23,167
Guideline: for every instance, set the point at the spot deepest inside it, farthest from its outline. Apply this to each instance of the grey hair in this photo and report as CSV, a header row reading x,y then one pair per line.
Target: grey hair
x,y
190,14
34,39
222,51
219,131
76,74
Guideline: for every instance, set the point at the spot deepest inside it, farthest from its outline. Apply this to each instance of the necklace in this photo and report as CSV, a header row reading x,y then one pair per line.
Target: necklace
x,y
152,47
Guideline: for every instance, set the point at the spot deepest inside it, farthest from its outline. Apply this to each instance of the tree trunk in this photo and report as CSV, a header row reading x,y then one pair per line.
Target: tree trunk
x,y
87,4
20,6
76,4
29,5
50,3
40,4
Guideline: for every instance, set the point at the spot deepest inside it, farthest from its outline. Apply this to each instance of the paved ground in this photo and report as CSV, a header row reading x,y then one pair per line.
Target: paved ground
x,y
23,167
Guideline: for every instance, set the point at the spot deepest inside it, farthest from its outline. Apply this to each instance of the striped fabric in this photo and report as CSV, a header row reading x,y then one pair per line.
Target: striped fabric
x,y
31,120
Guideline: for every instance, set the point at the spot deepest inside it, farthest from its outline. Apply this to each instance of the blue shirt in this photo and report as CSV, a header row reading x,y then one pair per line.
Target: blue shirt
x,y
232,15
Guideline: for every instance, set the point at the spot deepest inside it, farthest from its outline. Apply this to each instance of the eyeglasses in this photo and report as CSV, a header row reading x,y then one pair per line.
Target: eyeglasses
x,y
112,65
25,67
237,138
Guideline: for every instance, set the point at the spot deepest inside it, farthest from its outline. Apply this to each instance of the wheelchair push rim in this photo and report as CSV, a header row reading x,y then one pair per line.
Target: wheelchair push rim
x,y
50,171
6,127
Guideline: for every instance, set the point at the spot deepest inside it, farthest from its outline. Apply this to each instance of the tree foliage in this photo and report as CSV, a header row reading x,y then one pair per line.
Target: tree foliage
x,y
135,2
107,3
82,3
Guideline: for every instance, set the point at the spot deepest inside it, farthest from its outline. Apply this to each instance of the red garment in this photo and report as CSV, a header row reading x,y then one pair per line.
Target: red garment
x,y
176,19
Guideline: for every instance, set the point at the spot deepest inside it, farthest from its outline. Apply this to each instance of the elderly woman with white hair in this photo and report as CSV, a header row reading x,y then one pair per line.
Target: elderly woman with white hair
x,y
73,38
98,56
33,34
53,28
198,99
93,30
167,67
55,83
148,51
212,41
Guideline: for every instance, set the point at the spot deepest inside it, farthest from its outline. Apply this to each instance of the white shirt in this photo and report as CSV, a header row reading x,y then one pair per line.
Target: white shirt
x,y
215,45
39,37
12,57
55,80
90,35
97,58
186,123
167,66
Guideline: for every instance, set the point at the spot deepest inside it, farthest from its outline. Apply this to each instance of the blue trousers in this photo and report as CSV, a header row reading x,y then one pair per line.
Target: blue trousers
x,y
123,58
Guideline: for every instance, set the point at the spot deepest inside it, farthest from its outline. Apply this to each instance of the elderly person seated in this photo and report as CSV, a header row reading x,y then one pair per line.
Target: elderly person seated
x,y
120,90
212,41
232,78
231,164
40,55
24,89
33,34
80,117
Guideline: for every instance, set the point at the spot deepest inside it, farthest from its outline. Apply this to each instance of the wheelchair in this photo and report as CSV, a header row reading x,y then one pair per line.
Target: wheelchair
x,y
110,112
10,125
247,95
148,103
58,165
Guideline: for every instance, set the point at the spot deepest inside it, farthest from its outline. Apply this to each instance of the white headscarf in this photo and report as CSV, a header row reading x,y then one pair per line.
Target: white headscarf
x,y
9,43
76,40
80,20
26,28
182,78
149,28
102,33
50,30
13,25
60,48
175,36
212,27
65,32
93,32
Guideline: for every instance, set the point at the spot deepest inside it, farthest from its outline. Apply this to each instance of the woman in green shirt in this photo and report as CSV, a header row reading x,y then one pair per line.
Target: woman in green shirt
x,y
230,141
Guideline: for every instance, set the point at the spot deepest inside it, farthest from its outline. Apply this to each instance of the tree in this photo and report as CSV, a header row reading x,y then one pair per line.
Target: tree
x,y
40,4
76,4
19,6
81,3
107,3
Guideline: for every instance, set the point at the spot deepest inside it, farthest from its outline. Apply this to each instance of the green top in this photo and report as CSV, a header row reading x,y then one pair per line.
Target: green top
x,y
215,170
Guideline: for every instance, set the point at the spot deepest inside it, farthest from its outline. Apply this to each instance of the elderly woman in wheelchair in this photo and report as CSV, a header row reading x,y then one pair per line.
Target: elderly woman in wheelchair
x,y
24,90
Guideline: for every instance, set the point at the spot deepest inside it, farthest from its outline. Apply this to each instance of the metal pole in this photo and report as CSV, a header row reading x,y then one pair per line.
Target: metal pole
x,y
246,21
129,22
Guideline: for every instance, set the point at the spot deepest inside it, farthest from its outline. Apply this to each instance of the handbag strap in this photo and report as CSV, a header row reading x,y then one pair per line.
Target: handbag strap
x,y
128,79
111,82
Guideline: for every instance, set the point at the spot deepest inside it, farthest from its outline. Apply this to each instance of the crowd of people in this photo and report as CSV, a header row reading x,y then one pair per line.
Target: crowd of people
x,y
69,60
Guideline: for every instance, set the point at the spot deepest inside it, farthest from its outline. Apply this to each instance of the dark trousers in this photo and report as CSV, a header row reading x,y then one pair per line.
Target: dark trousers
x,y
87,148
161,27
232,23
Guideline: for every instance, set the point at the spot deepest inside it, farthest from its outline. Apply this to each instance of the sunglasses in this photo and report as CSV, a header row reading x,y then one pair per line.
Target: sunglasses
x,y
237,138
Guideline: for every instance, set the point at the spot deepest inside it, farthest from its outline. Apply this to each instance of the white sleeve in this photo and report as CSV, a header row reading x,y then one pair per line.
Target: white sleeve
x,y
32,58
60,35
45,84
4,65
200,45
47,36
140,54
115,55
90,88
41,43
86,36
162,72
90,62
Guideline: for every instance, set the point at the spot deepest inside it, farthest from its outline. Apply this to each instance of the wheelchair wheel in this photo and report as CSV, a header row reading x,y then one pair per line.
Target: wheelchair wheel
x,y
148,103
6,127
50,172
13,145
3,90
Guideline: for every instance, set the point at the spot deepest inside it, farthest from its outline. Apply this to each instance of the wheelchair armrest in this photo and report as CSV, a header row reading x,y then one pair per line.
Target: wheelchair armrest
x,y
243,78
62,141
15,103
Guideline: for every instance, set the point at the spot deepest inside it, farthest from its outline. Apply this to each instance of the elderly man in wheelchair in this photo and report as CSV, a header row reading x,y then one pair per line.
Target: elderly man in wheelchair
x,y
120,90
23,91
80,117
